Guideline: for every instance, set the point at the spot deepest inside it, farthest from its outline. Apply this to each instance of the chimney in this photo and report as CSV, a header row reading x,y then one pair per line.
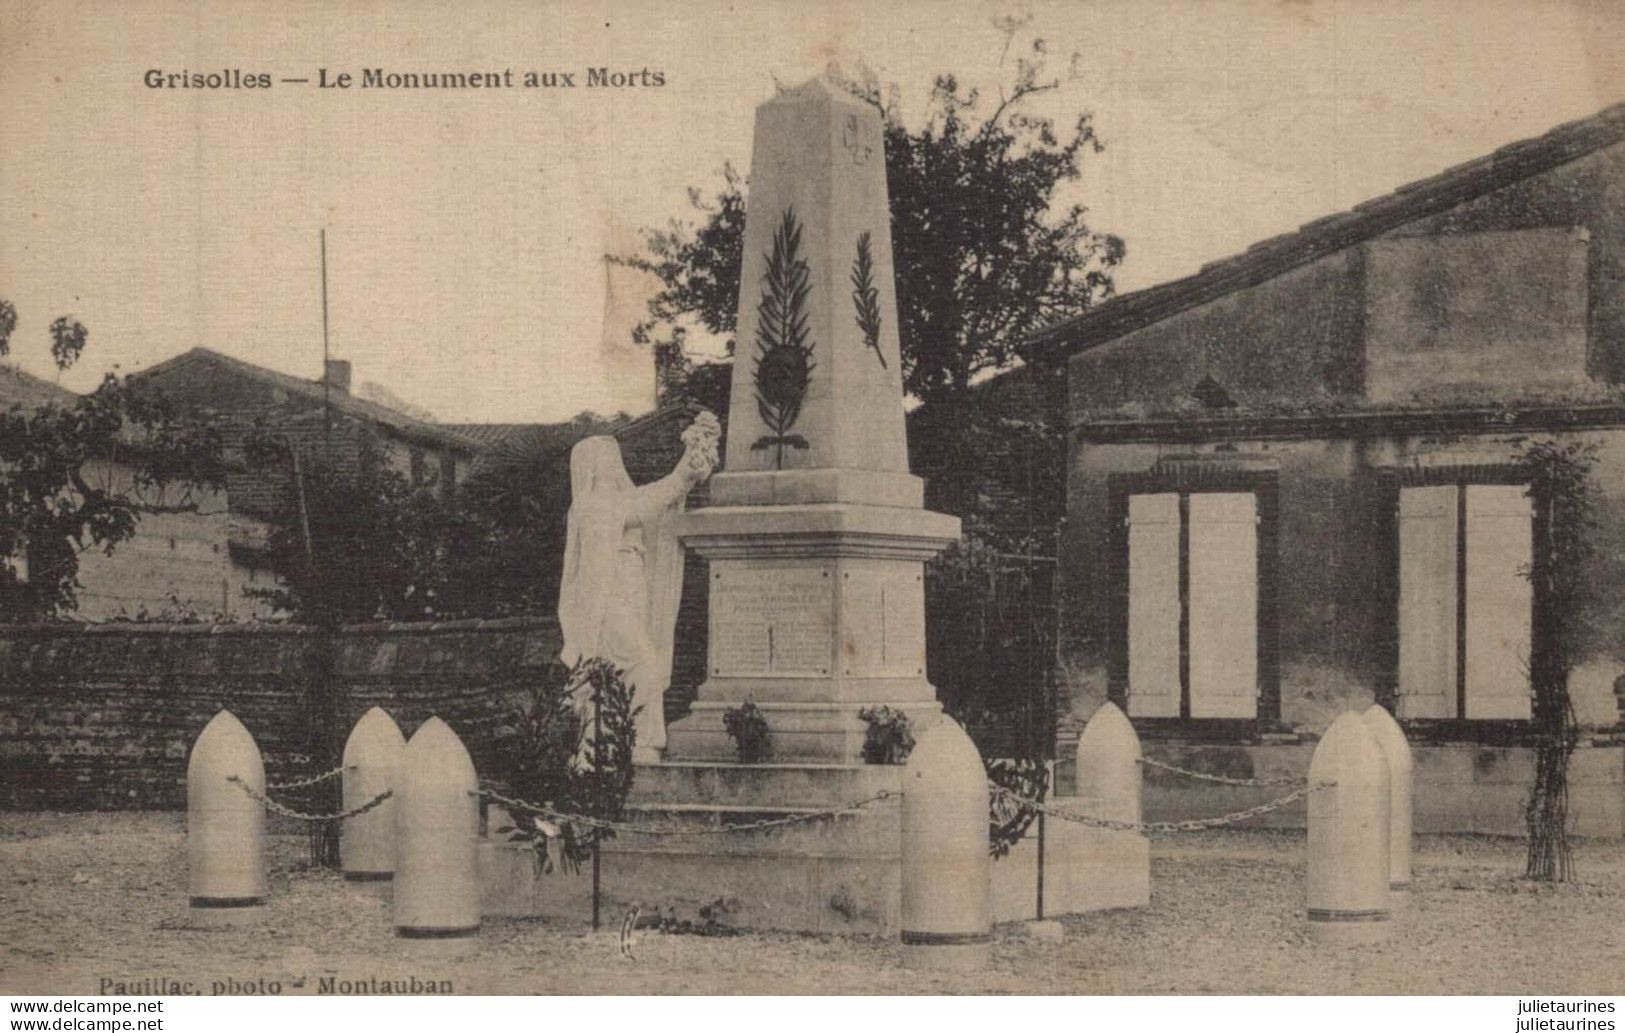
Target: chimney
x,y
338,374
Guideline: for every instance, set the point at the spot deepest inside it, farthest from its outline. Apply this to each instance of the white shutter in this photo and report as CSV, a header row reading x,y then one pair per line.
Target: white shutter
x,y
1499,546
1224,604
1427,601
1153,605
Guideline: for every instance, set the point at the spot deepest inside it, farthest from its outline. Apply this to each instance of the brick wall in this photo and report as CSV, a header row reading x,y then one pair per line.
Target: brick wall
x,y
104,716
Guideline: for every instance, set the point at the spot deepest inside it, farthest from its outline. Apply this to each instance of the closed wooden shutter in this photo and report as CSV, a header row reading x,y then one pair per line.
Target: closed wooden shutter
x,y
1153,605
1223,596
1427,601
1499,545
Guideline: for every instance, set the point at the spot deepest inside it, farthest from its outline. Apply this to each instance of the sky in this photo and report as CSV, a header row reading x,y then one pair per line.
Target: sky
x,y
466,229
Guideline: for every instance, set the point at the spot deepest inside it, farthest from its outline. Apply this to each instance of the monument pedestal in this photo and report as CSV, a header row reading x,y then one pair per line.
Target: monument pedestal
x,y
817,610
837,874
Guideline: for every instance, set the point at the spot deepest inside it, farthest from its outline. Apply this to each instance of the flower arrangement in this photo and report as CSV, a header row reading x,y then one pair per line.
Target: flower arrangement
x,y
889,738
748,728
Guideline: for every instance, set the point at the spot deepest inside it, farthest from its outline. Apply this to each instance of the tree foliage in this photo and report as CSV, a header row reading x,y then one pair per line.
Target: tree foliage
x,y
382,548
79,476
354,540
8,323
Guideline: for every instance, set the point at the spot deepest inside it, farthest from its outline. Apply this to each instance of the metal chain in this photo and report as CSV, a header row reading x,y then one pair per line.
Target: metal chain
x,y
657,829
300,783
668,829
1202,776
289,812
1189,825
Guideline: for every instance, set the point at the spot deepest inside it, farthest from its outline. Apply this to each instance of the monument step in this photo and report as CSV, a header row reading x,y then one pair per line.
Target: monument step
x,y
868,831
797,732
841,689
716,745
806,785
816,894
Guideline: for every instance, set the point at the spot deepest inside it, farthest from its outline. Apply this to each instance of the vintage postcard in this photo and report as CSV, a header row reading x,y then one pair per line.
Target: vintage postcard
x,y
813,498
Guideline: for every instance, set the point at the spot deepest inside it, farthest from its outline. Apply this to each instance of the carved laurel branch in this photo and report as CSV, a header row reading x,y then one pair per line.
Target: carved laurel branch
x,y
783,345
866,297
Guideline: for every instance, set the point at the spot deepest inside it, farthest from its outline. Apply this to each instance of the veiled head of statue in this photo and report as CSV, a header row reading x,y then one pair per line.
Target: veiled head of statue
x,y
595,465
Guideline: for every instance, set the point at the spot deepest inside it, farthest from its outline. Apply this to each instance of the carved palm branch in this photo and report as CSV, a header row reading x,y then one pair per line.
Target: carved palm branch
x,y
866,297
783,350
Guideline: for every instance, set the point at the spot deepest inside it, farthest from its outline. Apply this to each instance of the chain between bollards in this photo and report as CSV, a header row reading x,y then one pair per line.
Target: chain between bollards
x,y
289,812
300,783
1189,825
632,828
1202,776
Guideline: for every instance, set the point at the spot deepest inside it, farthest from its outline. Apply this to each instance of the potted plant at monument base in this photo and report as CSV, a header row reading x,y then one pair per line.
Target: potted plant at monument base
x,y
748,729
889,738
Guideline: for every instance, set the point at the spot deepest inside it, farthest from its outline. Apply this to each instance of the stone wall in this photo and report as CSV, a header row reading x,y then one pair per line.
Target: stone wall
x,y
1474,313
1295,338
1503,298
104,716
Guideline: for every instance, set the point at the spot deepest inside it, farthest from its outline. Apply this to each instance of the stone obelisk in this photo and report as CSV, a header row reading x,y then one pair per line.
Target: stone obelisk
x,y
816,534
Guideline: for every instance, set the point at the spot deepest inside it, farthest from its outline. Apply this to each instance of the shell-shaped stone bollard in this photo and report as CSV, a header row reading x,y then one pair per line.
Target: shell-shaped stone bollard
x,y
1109,775
1397,751
437,819
372,756
225,826
1348,836
946,916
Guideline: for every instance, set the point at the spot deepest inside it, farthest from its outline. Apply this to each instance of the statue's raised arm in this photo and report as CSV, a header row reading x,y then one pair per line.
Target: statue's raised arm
x,y
623,567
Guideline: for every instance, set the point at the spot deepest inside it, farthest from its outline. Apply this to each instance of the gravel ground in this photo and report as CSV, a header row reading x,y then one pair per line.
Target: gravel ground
x,y
93,897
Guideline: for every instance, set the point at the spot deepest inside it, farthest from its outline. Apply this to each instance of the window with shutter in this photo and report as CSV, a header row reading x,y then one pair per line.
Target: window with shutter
x,y
1193,586
1427,602
1223,604
1153,605
1498,600
1465,601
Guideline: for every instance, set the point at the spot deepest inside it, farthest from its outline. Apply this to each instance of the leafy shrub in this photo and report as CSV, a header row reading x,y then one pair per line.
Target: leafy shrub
x,y
748,728
552,756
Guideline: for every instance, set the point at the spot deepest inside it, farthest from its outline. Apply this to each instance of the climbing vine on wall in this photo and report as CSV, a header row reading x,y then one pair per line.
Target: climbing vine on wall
x,y
783,345
1565,500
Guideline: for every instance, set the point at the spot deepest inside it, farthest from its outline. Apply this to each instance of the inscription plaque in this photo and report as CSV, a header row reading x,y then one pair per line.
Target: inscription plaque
x,y
771,621
884,630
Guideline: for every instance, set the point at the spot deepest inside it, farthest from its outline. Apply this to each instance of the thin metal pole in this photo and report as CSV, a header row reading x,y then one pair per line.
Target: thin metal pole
x,y
598,774
327,405
1042,731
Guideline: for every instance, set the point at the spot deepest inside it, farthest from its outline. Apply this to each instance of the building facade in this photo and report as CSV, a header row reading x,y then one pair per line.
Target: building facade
x,y
176,566
317,422
1300,482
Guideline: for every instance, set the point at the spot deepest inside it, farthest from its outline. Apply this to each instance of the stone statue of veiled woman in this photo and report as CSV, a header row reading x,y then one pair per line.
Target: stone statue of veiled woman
x,y
623,569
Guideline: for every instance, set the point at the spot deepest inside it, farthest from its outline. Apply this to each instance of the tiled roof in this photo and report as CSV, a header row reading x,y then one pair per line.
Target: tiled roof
x,y
313,390
1269,258
21,388
519,444
496,433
